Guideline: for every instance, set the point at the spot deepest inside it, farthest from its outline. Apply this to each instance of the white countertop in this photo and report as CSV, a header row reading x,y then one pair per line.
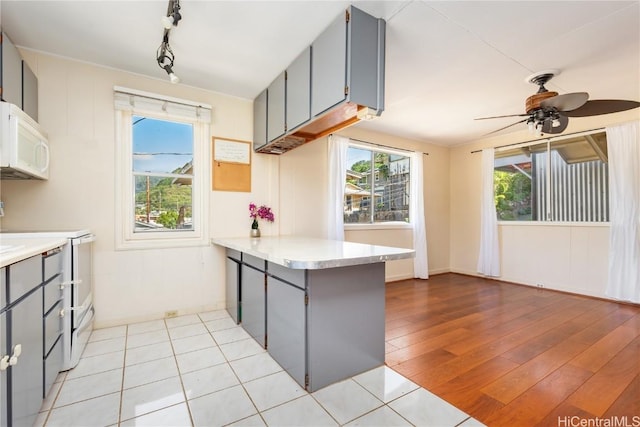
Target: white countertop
x,y
312,254
13,250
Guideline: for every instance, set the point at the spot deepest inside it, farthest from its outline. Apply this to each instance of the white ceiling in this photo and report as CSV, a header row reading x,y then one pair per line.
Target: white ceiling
x,y
446,62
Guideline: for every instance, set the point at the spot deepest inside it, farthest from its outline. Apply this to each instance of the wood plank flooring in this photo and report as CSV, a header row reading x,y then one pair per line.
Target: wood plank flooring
x,y
513,355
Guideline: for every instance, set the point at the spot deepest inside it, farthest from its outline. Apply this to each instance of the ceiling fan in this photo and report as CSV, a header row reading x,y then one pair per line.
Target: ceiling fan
x,y
548,112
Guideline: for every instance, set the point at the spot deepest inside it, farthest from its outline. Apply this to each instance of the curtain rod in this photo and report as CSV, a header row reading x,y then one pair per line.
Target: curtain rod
x,y
385,146
555,138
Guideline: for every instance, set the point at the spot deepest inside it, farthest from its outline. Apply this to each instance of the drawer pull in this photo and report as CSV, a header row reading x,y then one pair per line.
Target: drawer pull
x,y
4,363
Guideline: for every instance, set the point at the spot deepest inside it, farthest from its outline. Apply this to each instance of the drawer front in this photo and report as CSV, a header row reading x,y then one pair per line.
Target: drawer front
x,y
233,254
52,327
52,366
253,261
52,293
52,265
293,276
23,277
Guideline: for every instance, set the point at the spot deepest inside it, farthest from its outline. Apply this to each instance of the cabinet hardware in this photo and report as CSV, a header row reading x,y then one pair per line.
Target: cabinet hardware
x,y
347,16
4,363
306,381
306,299
346,90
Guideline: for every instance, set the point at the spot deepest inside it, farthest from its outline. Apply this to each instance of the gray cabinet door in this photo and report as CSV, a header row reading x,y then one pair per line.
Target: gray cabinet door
x,y
298,91
329,66
276,125
260,120
286,328
29,92
11,72
27,375
233,289
253,303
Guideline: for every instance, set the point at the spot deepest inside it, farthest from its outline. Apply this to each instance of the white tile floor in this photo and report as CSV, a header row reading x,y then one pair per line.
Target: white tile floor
x,y
203,370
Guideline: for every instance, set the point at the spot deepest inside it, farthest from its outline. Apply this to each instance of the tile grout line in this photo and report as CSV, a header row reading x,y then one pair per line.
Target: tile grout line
x,y
124,367
175,359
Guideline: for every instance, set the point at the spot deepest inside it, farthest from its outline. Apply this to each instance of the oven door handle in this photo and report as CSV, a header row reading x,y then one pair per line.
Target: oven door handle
x,y
70,282
86,239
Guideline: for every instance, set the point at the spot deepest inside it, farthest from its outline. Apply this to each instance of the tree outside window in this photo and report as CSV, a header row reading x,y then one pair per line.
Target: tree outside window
x,y
376,187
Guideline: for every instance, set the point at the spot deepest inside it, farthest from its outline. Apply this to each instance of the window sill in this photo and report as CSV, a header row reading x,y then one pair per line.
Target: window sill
x,y
378,226
161,243
553,224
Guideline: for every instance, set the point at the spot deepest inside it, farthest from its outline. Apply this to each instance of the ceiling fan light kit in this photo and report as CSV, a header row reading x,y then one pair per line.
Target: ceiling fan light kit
x,y
549,112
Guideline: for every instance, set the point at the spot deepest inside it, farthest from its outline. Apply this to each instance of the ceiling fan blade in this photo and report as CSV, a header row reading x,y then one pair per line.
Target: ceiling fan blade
x,y
500,117
602,106
503,128
566,102
548,128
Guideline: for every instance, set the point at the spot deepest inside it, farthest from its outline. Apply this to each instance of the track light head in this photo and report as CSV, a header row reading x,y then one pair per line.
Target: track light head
x,y
173,15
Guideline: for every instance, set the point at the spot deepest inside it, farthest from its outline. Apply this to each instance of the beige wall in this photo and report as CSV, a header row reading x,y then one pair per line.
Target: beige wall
x,y
76,110
572,258
303,196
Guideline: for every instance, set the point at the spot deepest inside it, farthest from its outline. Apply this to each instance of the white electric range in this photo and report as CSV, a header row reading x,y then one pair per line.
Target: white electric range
x,y
77,288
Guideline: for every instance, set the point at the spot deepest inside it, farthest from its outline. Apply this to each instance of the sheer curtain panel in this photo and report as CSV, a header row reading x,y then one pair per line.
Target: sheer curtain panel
x,y
489,256
623,143
338,146
420,262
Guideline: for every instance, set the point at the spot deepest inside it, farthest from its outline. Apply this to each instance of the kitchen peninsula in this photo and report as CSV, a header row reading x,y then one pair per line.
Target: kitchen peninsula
x,y
316,305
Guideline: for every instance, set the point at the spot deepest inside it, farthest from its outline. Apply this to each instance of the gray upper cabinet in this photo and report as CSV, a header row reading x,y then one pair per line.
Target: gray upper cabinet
x,y
18,82
328,71
276,126
29,92
298,90
11,72
332,84
260,120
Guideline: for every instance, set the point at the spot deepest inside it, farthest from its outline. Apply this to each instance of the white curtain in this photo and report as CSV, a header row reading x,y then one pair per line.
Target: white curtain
x,y
624,212
416,213
338,146
489,256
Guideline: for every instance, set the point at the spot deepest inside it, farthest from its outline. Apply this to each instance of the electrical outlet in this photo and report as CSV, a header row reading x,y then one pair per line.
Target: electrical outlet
x,y
171,313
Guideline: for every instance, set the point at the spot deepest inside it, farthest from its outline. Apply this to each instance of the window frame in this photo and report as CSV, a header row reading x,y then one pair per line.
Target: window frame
x,y
385,225
126,236
544,222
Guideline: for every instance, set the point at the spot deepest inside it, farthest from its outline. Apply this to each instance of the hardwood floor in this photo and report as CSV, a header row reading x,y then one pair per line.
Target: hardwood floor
x,y
513,355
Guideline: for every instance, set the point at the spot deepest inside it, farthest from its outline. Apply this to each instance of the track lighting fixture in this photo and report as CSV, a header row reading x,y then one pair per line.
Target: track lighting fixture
x,y
165,58
173,15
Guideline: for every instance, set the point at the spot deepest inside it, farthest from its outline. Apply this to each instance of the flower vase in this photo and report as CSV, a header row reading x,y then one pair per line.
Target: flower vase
x,y
255,231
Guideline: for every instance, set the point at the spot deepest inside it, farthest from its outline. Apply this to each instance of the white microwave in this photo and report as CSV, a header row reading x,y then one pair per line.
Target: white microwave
x,y
24,150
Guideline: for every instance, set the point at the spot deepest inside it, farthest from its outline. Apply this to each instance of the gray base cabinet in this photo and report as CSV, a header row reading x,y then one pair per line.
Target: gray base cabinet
x,y
232,285
287,327
254,319
30,336
25,382
322,326
345,322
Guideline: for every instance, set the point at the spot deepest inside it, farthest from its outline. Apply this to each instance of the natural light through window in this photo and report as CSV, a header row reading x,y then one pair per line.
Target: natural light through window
x,y
163,174
376,187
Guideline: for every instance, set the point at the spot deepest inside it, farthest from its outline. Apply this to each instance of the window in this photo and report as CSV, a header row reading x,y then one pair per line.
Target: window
x,y
162,174
377,186
562,179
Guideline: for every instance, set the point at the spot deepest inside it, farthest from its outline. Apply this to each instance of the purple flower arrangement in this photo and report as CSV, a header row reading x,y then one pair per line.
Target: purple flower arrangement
x,y
262,212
